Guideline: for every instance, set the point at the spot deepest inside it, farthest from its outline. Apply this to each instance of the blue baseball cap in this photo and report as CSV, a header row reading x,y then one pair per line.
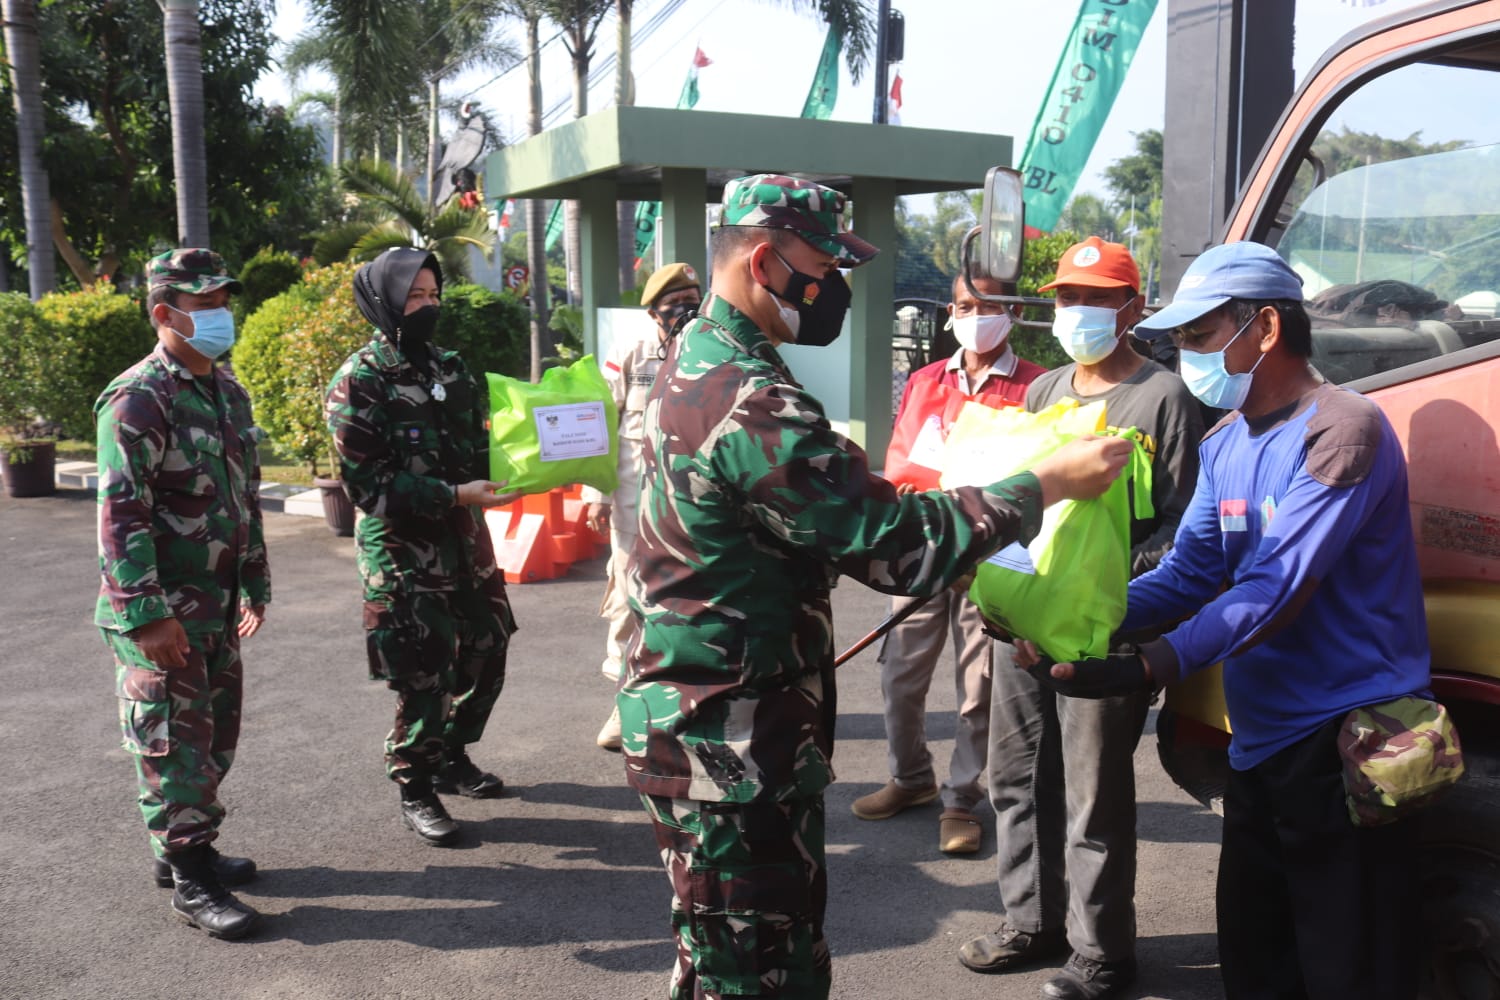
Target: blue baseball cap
x,y
1242,270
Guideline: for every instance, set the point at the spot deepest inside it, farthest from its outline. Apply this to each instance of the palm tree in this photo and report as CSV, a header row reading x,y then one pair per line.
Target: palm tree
x,y
392,214
531,13
369,48
24,49
854,22
185,90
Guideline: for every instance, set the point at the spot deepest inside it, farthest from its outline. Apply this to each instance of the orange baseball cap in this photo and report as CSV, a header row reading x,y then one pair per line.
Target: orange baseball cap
x,y
1096,264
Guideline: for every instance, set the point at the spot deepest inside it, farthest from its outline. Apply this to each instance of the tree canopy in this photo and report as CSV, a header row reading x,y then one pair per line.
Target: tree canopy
x,y
109,138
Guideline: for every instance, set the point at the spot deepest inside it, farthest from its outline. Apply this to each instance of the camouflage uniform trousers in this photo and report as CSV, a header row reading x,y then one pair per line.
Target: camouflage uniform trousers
x,y
749,889
181,726
443,653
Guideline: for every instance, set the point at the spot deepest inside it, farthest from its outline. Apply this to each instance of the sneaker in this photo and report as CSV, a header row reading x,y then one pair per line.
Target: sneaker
x,y
609,736
891,799
426,817
959,832
1007,948
1085,979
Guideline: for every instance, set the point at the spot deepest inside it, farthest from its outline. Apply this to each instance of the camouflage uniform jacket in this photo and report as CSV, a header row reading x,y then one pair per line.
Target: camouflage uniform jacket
x,y
630,370
402,451
179,505
751,505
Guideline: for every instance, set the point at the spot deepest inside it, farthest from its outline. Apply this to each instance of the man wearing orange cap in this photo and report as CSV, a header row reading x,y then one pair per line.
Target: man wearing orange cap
x,y
1062,772
671,296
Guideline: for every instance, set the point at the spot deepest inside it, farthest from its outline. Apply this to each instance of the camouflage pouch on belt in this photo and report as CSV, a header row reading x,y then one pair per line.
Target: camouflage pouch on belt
x,y
1398,757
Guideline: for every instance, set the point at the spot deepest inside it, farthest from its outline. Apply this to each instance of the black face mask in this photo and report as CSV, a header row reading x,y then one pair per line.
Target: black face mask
x,y
670,317
820,303
416,330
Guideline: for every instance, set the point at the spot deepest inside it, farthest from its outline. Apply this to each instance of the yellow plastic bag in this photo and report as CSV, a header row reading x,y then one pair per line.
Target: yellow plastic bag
x,y
987,445
563,430
1065,591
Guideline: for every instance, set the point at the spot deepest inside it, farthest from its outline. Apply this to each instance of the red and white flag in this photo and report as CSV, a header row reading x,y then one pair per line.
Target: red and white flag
x,y
504,223
700,60
893,112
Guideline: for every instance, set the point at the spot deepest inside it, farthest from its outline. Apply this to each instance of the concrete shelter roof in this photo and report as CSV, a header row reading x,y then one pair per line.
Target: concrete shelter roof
x,y
632,145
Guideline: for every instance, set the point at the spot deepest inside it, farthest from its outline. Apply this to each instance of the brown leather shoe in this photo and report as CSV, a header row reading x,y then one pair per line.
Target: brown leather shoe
x,y
891,799
959,832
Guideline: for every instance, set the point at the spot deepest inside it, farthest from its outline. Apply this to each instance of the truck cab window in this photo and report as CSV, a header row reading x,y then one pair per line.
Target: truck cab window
x,y
1393,220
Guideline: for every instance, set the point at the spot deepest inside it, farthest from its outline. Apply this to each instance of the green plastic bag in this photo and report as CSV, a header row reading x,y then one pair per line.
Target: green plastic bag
x,y
1066,590
563,430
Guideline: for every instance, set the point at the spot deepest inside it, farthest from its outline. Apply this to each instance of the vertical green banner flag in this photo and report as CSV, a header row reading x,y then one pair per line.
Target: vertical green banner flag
x,y
554,224
824,93
1084,85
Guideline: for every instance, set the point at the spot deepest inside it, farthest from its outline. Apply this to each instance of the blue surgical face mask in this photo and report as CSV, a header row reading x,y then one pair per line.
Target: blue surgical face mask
x,y
1210,381
1087,333
213,331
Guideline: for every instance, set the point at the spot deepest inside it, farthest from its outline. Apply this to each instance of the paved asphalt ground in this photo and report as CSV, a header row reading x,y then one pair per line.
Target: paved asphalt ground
x,y
556,890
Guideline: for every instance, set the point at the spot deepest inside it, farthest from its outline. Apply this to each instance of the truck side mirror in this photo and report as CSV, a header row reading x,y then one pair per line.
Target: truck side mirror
x,y
1002,223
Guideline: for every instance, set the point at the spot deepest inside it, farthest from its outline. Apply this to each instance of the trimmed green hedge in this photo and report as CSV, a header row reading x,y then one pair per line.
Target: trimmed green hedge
x,y
21,370
290,349
490,330
89,338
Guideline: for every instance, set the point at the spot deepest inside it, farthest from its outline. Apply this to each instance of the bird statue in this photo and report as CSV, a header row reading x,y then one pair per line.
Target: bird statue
x,y
454,173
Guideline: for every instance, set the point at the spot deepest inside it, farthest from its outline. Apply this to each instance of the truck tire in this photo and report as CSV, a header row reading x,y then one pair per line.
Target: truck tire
x,y
1461,887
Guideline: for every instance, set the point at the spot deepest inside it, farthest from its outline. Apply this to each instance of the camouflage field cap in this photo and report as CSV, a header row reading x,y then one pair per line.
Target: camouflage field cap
x,y
190,269
812,211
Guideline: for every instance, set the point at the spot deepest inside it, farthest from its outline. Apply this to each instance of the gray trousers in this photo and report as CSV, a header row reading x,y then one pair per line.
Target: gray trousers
x,y
1062,781
909,656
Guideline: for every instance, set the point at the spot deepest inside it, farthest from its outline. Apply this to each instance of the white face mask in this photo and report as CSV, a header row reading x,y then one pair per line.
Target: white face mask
x,y
1086,333
791,317
980,334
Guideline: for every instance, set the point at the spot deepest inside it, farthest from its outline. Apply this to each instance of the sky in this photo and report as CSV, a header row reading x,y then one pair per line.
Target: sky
x,y
970,65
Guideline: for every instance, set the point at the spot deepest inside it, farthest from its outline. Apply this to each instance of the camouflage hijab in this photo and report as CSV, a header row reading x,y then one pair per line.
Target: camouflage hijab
x,y
380,286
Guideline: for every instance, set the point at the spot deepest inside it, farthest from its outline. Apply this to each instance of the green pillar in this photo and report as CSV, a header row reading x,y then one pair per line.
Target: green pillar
x,y
681,225
600,268
871,318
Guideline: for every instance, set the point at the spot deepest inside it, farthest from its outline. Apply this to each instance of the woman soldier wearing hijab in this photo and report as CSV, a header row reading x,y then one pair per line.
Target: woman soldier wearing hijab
x,y
408,421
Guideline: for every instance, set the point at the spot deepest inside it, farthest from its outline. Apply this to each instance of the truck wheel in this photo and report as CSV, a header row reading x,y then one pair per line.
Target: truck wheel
x,y
1461,888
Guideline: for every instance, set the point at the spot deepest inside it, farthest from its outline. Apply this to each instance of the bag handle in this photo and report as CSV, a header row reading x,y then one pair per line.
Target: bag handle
x,y
1138,471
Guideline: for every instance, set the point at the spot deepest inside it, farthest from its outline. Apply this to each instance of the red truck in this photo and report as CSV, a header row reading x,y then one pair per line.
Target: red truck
x,y
1380,186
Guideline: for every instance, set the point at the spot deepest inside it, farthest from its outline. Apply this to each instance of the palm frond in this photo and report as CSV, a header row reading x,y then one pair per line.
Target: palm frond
x,y
338,242
378,239
379,182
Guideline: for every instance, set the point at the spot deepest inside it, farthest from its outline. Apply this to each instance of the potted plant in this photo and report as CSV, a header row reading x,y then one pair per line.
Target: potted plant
x,y
28,446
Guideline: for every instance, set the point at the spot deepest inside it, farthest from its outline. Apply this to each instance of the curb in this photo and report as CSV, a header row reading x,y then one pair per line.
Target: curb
x,y
275,498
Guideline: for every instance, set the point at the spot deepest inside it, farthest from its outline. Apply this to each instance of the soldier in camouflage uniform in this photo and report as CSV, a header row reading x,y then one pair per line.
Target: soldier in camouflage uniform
x,y
184,576
670,296
751,506
409,423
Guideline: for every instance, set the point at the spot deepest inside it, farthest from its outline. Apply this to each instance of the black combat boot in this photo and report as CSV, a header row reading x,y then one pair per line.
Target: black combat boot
x,y
423,813
461,776
230,871
201,899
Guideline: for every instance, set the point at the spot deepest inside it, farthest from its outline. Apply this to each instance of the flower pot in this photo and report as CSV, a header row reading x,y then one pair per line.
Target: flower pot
x,y
29,469
338,509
